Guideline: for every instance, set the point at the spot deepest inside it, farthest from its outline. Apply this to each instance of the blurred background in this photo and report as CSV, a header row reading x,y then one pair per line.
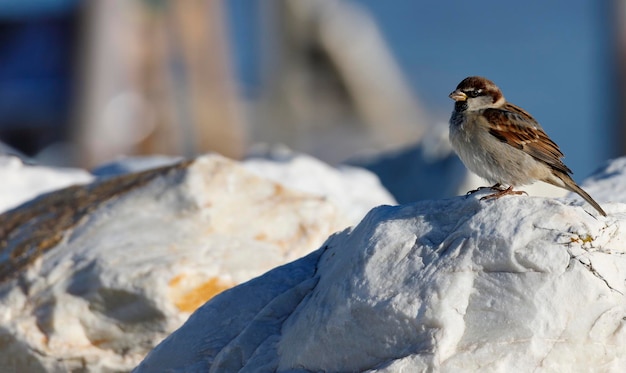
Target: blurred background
x,y
85,81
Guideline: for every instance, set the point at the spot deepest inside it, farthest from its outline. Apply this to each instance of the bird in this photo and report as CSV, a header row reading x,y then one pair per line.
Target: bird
x,y
503,144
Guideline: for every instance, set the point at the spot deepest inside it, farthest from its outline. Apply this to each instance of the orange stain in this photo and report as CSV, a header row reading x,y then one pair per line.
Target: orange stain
x,y
191,300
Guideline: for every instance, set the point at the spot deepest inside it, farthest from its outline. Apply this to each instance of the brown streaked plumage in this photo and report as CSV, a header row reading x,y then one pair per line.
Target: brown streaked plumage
x,y
532,140
503,143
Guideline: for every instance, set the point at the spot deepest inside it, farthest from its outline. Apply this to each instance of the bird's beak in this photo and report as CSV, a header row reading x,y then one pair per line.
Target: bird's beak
x,y
458,96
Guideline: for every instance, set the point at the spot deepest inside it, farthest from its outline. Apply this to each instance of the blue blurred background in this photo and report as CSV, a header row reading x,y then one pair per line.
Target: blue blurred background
x,y
82,82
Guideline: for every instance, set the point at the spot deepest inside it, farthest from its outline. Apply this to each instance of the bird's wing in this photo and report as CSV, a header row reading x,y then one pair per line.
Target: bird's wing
x,y
514,126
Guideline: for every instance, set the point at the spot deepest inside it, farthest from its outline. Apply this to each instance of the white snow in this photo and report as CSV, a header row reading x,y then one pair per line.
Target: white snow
x,y
512,285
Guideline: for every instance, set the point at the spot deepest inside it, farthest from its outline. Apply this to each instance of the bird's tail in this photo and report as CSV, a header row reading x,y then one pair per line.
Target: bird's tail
x,y
569,184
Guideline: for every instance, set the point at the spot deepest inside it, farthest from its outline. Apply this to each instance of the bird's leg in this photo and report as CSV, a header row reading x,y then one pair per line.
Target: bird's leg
x,y
504,192
496,186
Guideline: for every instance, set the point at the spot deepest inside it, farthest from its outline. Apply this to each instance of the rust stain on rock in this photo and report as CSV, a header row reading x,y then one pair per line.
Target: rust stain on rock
x,y
194,298
29,230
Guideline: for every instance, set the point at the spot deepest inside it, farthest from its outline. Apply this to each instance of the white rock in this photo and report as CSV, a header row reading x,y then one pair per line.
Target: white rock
x,y
354,190
609,182
21,182
132,269
128,164
512,285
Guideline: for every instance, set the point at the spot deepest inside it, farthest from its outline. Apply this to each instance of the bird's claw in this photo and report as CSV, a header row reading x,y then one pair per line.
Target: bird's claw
x,y
497,187
504,192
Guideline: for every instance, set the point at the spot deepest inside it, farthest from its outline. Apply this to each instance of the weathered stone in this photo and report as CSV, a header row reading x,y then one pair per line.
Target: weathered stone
x,y
93,276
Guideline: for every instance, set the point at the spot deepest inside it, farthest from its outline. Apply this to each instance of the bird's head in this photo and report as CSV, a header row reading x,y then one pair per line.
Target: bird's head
x,y
476,93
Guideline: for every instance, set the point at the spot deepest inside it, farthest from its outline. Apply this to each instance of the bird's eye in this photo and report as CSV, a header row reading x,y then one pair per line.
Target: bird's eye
x,y
474,92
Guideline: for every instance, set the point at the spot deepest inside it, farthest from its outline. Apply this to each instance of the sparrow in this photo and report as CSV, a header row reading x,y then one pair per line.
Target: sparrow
x,y
504,144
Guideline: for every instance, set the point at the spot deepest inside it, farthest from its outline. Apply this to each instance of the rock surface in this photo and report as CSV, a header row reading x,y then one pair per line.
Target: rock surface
x,y
93,276
609,182
21,182
512,285
352,189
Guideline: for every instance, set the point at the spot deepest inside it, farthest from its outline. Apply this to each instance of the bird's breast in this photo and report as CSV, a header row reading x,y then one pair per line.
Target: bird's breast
x,y
487,156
